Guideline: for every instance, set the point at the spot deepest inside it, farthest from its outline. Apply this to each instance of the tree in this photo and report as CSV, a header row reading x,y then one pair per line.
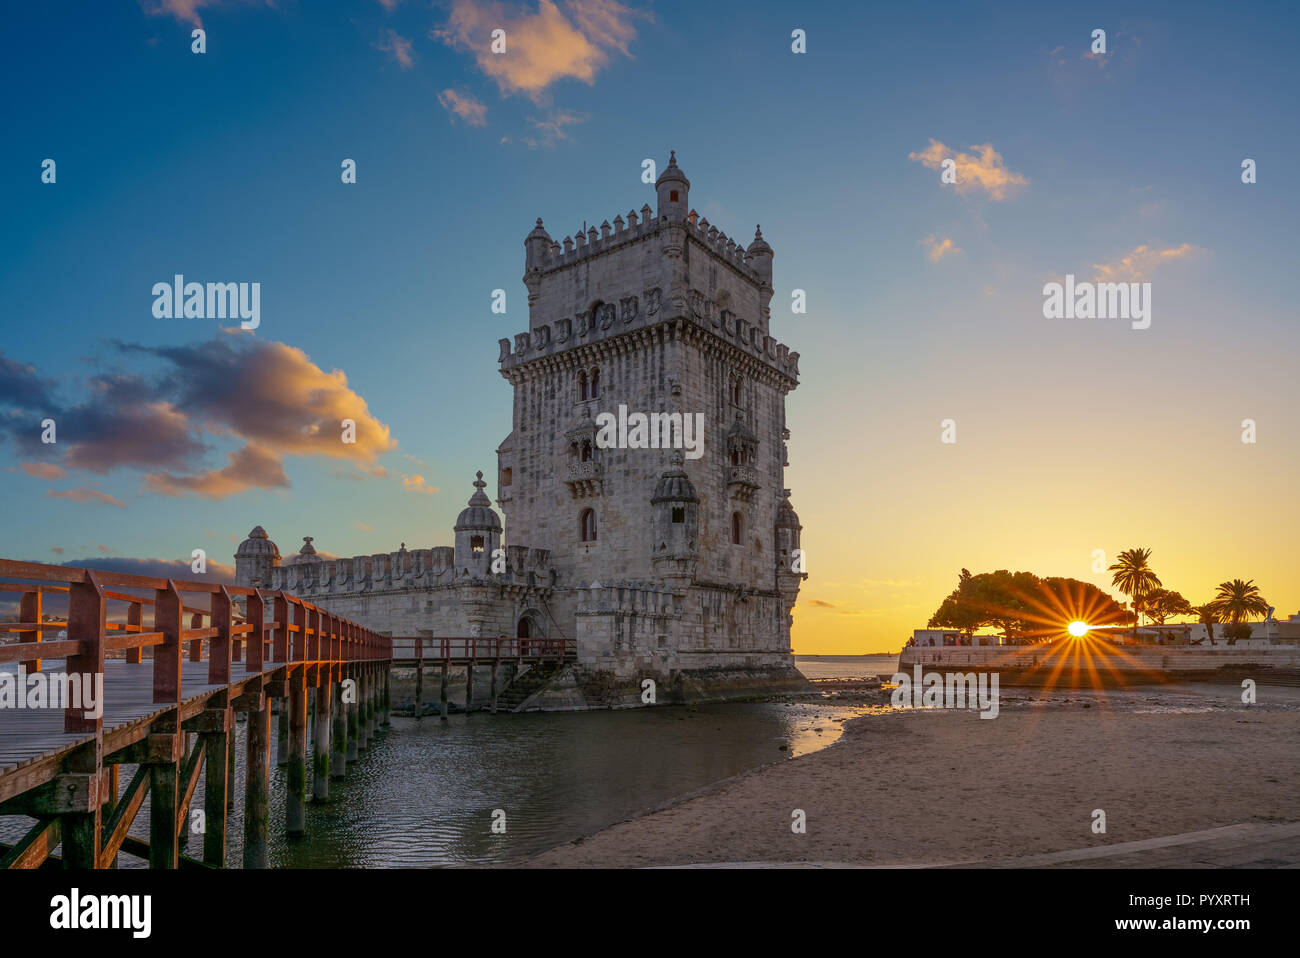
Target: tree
x,y
1162,603
1023,606
1237,601
1234,631
1209,615
1133,577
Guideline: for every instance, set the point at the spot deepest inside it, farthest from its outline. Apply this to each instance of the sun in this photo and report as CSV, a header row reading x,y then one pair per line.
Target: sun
x,y
1077,629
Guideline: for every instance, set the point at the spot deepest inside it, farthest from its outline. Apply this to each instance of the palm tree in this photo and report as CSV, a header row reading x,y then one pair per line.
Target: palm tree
x,y
1209,615
1133,577
1237,601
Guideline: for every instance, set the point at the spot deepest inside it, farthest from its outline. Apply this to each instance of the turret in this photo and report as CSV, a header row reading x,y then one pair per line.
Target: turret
x,y
673,189
478,534
254,559
676,527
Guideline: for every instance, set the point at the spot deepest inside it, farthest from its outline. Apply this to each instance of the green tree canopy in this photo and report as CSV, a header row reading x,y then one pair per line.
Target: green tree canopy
x,y
1023,606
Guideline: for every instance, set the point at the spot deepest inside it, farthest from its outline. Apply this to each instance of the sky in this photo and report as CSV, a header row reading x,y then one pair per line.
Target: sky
x,y
924,297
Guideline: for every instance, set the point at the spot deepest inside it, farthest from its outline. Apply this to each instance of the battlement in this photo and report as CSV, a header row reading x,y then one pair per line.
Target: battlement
x,y
405,569
607,238
550,339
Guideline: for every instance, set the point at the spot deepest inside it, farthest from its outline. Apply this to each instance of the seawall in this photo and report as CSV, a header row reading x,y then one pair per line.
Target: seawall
x,y
1074,663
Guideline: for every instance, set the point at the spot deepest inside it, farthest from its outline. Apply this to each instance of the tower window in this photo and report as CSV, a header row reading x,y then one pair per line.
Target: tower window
x,y
587,525
595,383
736,530
672,196
476,544
582,385
507,476
679,514
586,450
736,390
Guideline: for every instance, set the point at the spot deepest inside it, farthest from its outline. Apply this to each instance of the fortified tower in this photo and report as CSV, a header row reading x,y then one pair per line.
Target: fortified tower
x,y
659,313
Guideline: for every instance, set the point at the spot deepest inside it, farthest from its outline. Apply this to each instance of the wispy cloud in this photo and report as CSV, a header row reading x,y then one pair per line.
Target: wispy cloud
x,y
937,249
550,129
397,46
187,11
821,603
87,495
43,470
362,526
983,170
464,105
553,43
1139,264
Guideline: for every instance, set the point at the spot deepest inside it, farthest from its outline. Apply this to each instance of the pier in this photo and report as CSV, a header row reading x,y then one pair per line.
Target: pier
x,y
171,713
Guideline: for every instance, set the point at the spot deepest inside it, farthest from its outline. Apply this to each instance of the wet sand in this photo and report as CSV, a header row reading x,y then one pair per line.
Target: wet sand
x,y
936,787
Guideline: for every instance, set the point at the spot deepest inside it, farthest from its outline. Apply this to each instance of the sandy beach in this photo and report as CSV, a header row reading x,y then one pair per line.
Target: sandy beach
x,y
934,787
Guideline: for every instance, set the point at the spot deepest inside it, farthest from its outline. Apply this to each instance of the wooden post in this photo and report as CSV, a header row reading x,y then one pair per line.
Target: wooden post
x,y
386,701
295,792
494,686
82,831
218,782
164,752
257,787
133,619
442,692
353,709
419,673
339,754
469,685
320,789
29,610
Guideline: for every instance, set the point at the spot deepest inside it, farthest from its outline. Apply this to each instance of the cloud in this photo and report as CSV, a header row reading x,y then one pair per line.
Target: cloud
x,y
362,526
187,11
1139,264
103,548
394,43
248,467
550,129
938,249
389,5
416,483
56,550
87,495
158,568
821,603
542,47
43,470
983,170
465,106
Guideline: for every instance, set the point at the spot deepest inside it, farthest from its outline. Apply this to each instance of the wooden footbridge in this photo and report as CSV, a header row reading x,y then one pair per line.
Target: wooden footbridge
x,y
247,648
420,652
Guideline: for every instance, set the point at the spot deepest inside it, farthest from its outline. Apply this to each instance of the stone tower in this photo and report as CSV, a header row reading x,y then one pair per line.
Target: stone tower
x,y
664,315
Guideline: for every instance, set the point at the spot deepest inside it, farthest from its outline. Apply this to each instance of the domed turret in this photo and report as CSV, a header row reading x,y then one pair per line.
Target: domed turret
x,y
478,533
306,554
676,526
673,189
536,245
255,558
759,255
787,533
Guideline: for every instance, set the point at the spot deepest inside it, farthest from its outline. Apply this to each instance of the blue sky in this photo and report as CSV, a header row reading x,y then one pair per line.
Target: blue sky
x,y
225,167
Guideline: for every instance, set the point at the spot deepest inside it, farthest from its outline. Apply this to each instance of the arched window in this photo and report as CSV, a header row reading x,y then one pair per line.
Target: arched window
x,y
476,544
595,383
573,449
736,530
582,385
736,390
507,476
586,450
679,513
587,525
735,457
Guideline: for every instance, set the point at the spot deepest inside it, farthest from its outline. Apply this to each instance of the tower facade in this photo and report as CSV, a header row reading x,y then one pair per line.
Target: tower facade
x,y
659,315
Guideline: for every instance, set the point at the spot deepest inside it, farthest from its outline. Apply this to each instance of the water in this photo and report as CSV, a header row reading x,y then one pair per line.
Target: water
x,y
846,666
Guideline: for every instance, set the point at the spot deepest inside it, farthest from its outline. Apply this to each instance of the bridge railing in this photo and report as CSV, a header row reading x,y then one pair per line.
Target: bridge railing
x,y
417,648
102,619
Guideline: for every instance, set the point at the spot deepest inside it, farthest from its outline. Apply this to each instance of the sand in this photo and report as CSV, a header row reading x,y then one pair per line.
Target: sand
x,y
931,788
